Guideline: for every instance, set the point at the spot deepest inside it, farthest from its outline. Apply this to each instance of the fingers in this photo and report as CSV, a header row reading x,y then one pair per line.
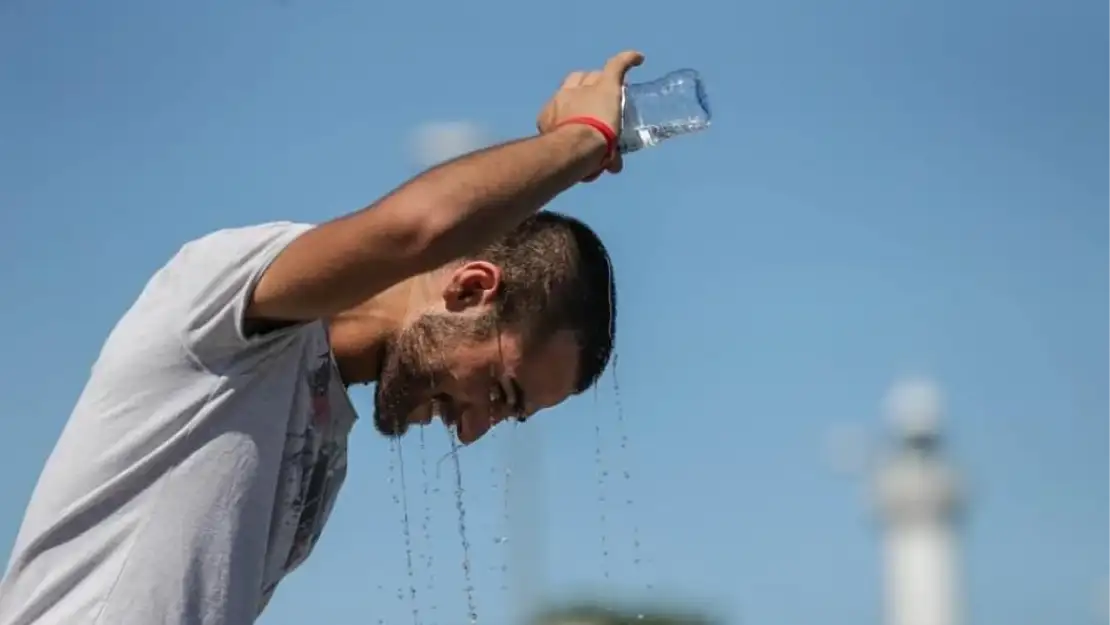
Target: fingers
x,y
617,67
574,79
615,165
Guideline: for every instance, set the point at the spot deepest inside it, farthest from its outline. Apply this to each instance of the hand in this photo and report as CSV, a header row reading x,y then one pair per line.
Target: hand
x,y
592,94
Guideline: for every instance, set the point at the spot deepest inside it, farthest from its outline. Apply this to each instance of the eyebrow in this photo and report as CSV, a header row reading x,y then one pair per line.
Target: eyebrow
x,y
518,397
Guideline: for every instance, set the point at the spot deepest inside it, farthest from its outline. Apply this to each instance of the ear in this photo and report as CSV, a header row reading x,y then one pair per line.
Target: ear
x,y
474,283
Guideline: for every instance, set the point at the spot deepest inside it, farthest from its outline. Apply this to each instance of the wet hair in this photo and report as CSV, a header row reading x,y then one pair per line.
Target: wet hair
x,y
556,276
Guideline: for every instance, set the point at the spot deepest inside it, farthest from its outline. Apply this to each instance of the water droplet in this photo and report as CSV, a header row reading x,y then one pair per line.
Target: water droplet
x,y
381,593
626,473
472,611
407,533
509,436
601,500
425,526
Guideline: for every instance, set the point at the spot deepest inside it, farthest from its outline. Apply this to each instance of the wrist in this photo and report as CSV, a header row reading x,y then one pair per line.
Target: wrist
x,y
587,141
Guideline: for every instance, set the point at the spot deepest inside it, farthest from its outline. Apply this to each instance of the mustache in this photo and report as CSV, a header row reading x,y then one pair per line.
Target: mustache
x,y
444,406
394,422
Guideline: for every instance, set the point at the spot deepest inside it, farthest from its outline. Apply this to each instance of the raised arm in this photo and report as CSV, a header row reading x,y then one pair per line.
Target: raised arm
x,y
448,211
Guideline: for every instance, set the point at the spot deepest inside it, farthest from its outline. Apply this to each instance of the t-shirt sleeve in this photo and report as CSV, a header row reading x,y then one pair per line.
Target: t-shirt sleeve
x,y
213,279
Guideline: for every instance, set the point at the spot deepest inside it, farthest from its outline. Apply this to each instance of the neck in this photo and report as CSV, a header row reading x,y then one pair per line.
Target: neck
x,y
359,336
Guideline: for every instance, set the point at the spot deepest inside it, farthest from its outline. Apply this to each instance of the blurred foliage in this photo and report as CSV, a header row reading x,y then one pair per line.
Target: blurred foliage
x,y
596,613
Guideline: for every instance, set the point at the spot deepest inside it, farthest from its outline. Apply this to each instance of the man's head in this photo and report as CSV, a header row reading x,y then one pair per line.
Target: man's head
x,y
513,329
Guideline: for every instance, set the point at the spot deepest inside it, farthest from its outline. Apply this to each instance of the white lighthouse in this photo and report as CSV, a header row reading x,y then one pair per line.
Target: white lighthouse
x,y
919,501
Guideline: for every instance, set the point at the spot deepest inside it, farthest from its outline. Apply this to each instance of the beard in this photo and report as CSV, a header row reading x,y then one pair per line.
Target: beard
x,y
415,361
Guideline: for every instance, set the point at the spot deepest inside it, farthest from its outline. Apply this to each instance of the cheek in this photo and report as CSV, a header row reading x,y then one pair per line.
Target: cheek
x,y
475,365
474,390
472,386
463,378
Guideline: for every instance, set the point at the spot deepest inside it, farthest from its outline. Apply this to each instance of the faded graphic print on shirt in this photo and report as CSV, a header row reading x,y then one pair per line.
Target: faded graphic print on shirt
x,y
313,468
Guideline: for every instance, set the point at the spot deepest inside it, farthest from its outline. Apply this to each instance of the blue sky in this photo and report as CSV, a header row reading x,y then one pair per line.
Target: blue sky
x,y
888,189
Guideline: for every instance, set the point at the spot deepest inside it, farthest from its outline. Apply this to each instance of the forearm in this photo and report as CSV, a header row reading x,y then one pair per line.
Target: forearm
x,y
441,215
463,205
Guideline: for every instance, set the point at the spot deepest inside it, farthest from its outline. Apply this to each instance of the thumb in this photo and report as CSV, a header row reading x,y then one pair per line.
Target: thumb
x,y
617,67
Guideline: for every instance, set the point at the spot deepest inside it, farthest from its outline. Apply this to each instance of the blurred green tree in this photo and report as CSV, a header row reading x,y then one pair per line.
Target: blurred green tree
x,y
596,613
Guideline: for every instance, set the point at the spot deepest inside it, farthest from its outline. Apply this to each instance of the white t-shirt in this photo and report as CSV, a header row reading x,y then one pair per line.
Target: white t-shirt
x,y
199,465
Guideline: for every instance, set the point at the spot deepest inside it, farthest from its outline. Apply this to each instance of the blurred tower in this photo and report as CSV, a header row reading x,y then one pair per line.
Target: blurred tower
x,y
919,502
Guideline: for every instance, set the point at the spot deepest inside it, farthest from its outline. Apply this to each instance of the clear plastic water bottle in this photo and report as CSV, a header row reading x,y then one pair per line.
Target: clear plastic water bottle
x,y
675,104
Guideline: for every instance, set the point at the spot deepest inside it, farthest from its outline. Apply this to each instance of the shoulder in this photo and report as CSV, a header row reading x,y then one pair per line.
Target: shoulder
x,y
208,283
242,239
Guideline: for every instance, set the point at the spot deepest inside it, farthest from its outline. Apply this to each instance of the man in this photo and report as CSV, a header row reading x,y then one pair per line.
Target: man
x,y
204,455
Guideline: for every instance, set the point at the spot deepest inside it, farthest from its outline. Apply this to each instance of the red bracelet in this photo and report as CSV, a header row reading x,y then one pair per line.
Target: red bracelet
x,y
605,129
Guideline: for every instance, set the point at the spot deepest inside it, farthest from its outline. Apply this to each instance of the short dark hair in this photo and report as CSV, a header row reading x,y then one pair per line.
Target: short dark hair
x,y
556,275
